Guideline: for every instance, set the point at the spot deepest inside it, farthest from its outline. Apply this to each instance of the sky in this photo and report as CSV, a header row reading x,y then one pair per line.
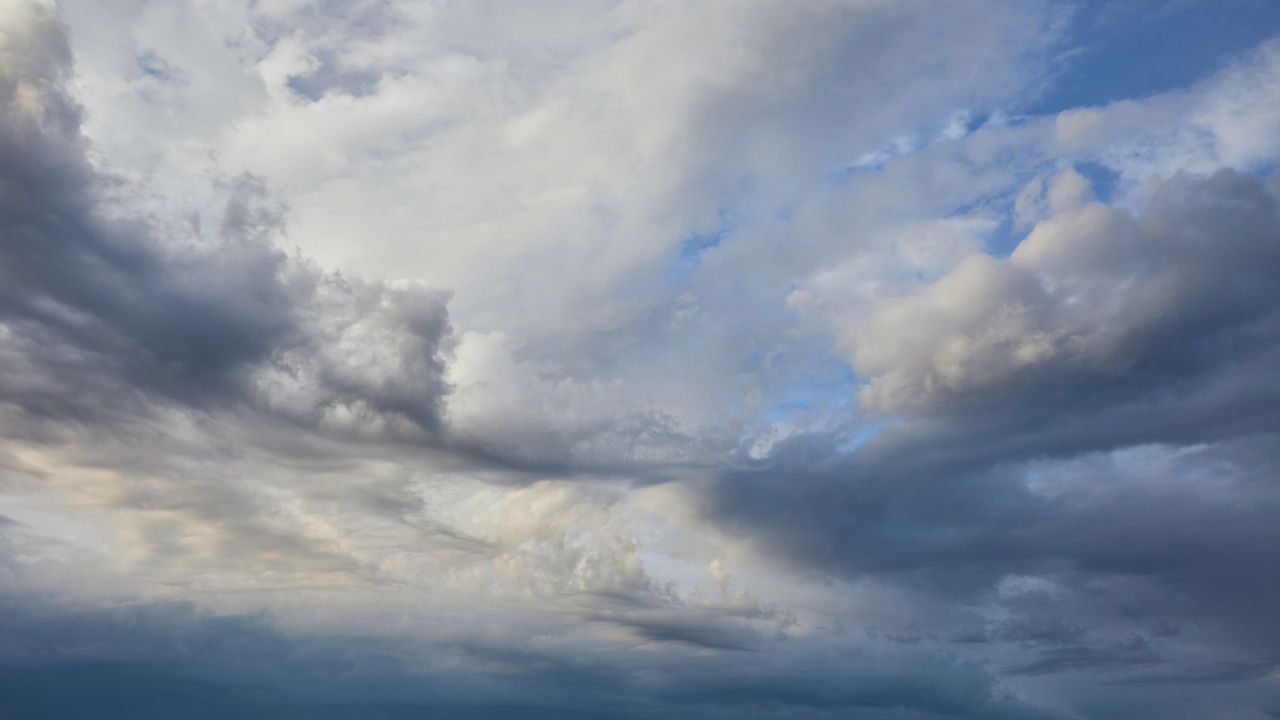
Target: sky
x,y
871,359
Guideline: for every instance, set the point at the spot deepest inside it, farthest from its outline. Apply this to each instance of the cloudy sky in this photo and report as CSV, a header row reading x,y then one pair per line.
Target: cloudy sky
x,y
873,359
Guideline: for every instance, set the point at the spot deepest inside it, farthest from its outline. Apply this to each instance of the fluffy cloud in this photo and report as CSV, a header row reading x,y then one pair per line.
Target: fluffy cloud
x,y
216,314
1089,294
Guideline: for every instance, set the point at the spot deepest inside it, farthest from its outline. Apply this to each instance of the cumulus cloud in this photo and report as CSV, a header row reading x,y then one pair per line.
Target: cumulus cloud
x,y
1091,291
217,314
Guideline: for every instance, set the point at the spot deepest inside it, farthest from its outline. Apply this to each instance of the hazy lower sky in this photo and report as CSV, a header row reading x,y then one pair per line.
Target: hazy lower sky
x,y
649,359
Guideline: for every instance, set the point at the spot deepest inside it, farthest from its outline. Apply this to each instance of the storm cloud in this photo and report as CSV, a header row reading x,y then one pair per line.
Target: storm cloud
x,y
203,310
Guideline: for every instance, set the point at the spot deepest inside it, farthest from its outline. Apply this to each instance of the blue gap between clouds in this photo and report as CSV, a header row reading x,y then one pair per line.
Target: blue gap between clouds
x,y
695,244
832,394
1112,48
834,389
1102,178
1004,238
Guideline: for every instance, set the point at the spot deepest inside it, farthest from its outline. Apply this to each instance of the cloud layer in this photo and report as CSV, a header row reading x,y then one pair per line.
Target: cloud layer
x,y
374,360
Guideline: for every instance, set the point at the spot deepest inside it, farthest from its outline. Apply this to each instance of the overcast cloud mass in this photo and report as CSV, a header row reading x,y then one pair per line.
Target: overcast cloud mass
x,y
642,359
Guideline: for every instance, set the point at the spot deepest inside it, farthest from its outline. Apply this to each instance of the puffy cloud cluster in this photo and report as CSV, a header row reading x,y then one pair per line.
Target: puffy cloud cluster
x,y
103,299
1091,293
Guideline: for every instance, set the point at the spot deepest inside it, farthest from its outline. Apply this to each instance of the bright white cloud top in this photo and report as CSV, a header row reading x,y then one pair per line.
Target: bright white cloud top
x,y
831,359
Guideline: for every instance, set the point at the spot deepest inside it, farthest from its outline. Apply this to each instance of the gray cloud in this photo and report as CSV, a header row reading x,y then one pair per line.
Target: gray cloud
x,y
169,660
95,298
1097,411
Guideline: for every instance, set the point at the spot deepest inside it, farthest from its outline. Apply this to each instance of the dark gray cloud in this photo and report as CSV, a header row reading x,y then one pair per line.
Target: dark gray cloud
x,y
102,308
170,660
